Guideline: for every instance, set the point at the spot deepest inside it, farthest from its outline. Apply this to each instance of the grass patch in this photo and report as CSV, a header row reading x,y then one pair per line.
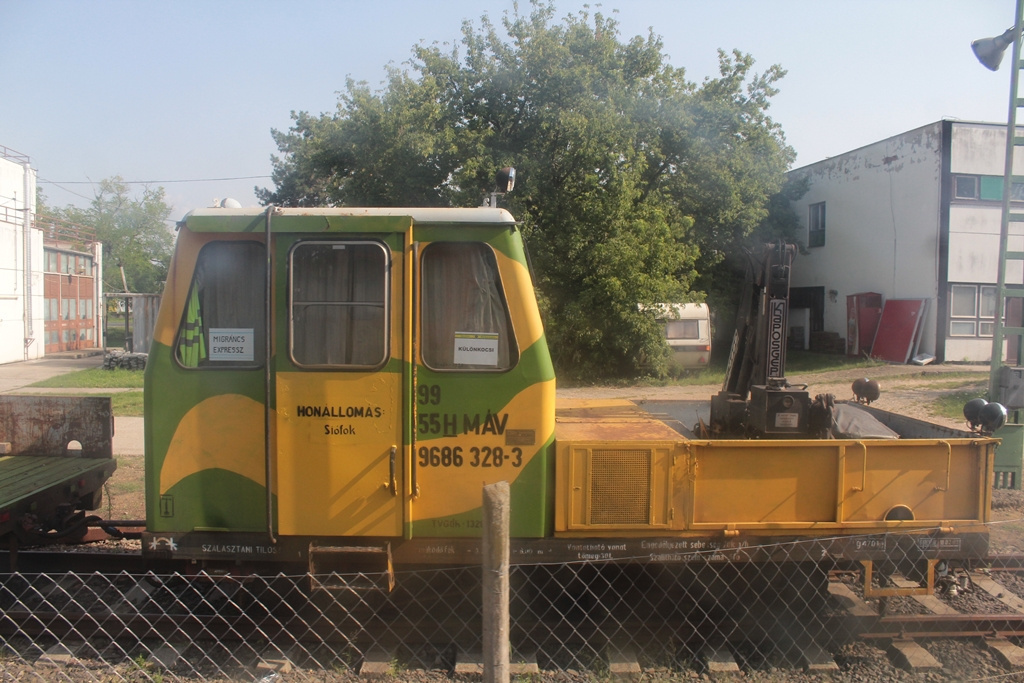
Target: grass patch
x,y
123,403
806,362
127,404
963,383
96,378
952,404
708,375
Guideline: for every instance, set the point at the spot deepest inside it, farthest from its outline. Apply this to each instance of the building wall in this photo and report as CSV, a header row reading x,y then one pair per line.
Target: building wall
x,y
21,320
978,150
882,212
72,304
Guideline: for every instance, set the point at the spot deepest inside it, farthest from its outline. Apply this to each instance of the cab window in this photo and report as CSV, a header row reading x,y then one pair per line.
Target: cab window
x,y
223,322
465,318
339,304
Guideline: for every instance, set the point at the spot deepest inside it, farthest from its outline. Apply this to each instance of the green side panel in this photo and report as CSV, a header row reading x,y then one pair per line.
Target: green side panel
x,y
302,223
170,392
477,393
213,499
503,239
992,187
531,505
1009,456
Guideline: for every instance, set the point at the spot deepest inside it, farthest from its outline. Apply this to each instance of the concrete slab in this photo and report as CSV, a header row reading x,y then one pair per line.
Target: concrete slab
x,y
929,602
998,591
524,664
719,660
15,376
128,435
911,657
167,656
275,666
816,658
623,664
850,601
469,664
1008,654
378,663
57,655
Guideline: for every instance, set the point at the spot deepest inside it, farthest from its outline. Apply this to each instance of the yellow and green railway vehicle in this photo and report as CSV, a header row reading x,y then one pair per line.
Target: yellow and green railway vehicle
x,y
379,367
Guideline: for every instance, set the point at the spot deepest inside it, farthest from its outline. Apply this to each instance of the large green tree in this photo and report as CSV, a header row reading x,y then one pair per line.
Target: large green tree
x,y
631,179
134,232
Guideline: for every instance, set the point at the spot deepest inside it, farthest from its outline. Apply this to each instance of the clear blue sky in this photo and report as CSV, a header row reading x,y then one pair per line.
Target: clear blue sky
x,y
189,90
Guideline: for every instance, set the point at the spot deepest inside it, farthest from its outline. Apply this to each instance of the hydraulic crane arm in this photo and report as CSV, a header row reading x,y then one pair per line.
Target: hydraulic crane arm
x,y
756,399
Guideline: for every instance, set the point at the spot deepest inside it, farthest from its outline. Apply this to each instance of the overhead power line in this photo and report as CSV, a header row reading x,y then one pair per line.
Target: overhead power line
x,y
151,182
40,180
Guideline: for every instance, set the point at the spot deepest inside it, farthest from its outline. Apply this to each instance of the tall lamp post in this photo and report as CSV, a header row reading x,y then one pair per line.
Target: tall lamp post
x,y
989,52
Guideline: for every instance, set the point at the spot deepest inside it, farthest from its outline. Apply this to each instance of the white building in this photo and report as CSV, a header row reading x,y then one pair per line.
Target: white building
x,y
50,273
915,216
21,261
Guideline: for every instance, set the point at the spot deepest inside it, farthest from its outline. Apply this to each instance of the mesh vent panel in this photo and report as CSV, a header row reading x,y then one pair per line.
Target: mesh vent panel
x,y
620,486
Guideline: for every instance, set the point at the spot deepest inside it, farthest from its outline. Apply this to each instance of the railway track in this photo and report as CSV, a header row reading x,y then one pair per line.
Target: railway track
x,y
77,607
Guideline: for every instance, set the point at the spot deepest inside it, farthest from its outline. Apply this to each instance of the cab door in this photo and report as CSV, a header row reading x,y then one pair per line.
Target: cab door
x,y
484,385
340,388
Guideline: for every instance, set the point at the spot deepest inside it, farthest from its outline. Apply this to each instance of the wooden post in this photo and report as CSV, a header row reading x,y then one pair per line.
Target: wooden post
x,y
495,583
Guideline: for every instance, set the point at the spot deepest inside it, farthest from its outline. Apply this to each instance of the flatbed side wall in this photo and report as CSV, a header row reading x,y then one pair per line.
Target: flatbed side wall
x,y
45,425
861,485
608,482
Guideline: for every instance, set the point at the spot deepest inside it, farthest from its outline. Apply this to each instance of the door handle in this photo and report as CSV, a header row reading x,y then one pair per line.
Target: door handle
x,y
393,483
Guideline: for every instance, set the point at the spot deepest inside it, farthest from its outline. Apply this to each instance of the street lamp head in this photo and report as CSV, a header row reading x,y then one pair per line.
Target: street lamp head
x,y
989,51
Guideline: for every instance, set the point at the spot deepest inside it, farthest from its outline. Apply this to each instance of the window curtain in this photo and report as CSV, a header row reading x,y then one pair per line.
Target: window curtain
x,y
462,293
226,292
338,304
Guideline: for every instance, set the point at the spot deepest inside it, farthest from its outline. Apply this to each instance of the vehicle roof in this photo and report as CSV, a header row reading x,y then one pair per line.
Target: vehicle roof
x,y
679,311
418,214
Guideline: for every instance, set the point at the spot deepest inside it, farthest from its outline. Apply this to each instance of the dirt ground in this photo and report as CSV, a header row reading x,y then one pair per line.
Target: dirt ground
x,y
906,389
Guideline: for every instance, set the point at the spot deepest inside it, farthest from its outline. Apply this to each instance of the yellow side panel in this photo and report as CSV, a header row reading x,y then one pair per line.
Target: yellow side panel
x,y
938,481
206,439
773,481
335,435
617,486
614,470
456,489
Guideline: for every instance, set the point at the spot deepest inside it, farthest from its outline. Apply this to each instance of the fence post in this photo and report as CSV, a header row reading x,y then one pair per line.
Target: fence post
x,y
496,649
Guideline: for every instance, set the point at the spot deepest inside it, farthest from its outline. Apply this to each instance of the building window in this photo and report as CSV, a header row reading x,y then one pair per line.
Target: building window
x,y
816,225
339,312
966,187
972,310
987,188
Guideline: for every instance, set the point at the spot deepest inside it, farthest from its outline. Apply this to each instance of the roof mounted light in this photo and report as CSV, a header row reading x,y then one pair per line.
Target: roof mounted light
x,y
504,181
989,51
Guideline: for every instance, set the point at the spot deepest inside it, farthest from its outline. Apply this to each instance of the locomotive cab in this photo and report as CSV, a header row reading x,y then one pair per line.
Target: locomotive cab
x,y
376,366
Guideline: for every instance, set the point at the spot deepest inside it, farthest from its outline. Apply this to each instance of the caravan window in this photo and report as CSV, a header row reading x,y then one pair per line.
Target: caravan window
x,y
682,329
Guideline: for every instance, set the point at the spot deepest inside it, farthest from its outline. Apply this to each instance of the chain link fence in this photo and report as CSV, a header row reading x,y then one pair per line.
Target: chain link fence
x,y
598,618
